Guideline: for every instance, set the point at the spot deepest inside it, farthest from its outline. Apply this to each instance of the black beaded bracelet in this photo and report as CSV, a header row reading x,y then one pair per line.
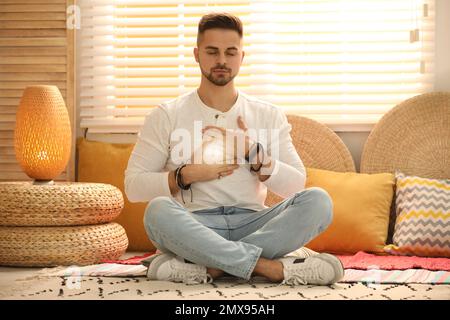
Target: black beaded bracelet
x,y
179,182
176,176
179,178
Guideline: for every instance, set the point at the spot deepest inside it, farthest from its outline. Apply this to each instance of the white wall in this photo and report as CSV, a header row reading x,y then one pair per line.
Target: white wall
x,y
442,45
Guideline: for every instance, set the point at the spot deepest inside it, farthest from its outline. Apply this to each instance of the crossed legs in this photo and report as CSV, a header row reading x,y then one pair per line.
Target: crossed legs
x,y
251,249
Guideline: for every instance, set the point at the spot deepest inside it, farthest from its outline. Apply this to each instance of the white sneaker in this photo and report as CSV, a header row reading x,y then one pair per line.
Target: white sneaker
x,y
319,269
168,267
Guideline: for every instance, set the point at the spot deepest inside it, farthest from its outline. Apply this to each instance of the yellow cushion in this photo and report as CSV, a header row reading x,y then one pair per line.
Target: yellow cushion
x,y
361,206
106,163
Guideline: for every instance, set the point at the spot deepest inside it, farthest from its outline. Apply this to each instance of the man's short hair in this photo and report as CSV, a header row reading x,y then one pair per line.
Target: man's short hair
x,y
220,20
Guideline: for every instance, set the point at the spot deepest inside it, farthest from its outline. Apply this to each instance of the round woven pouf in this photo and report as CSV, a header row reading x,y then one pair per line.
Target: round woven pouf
x,y
60,204
58,246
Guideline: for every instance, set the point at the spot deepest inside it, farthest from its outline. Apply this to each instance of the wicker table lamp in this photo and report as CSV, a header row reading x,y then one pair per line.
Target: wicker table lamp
x,y
42,137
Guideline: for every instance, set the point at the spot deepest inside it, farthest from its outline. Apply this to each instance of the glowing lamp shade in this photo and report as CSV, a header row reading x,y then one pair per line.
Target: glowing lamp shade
x,y
42,136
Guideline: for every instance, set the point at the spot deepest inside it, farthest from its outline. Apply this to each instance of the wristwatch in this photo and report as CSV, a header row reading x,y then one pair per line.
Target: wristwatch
x,y
253,151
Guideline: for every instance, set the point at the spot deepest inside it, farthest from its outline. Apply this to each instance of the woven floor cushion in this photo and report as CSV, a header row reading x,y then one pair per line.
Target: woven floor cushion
x,y
318,147
61,204
54,246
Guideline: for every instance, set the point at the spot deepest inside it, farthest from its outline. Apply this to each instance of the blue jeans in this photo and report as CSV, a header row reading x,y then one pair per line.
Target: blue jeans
x,y
231,238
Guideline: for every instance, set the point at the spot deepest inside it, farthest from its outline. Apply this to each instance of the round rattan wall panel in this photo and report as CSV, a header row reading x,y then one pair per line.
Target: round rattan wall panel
x,y
318,147
61,204
413,137
53,246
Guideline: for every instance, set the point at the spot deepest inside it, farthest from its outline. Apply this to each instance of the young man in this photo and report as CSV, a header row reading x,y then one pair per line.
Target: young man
x,y
209,218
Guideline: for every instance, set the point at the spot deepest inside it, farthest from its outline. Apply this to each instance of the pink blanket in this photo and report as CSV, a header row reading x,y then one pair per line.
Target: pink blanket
x,y
364,261
361,261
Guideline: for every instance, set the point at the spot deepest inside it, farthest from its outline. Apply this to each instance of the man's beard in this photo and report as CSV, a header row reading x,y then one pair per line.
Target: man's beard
x,y
218,80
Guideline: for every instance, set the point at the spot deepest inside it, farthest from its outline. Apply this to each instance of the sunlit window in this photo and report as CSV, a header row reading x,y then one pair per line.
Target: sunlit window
x,y
338,62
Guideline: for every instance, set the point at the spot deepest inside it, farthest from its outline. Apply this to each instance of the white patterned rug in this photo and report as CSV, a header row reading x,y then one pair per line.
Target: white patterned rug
x,y
223,289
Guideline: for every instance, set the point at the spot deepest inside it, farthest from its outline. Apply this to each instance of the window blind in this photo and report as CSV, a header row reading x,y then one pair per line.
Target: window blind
x,y
338,62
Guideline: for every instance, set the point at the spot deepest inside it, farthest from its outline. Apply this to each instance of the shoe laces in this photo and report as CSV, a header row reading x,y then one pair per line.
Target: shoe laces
x,y
190,275
301,276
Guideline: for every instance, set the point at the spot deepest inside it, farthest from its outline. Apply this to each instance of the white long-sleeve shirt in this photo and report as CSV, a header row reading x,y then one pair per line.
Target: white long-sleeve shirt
x,y
153,156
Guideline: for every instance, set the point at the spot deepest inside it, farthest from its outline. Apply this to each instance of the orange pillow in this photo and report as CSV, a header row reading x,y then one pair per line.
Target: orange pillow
x,y
106,163
361,207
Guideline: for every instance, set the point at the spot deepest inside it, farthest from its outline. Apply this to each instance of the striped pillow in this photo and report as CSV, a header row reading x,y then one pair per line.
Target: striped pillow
x,y
422,227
